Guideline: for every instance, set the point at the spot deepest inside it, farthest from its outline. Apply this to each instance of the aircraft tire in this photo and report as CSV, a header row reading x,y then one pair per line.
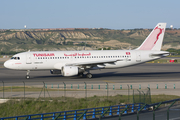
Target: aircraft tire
x,y
27,77
89,75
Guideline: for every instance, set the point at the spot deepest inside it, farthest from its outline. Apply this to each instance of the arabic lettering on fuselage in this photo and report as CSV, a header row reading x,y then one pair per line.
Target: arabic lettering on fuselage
x,y
43,54
78,54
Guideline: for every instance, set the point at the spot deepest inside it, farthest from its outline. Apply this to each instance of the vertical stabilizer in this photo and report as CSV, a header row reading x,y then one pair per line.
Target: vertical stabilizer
x,y
155,38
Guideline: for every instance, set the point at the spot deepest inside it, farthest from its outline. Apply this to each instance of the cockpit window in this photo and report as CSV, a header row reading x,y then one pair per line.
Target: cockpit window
x,y
16,58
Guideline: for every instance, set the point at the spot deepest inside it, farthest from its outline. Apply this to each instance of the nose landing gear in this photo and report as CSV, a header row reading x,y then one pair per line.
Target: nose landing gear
x,y
27,75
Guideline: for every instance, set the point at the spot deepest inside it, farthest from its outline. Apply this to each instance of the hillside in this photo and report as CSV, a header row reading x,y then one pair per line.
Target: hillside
x,y
75,39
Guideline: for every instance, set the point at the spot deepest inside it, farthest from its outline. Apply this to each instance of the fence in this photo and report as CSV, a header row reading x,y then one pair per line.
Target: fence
x,y
136,93
41,90
26,90
94,113
83,113
141,96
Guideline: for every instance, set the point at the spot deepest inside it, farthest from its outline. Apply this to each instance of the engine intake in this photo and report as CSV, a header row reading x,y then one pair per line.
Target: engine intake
x,y
69,70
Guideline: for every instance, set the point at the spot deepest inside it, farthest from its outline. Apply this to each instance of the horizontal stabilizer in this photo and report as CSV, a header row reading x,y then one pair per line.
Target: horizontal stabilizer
x,y
160,54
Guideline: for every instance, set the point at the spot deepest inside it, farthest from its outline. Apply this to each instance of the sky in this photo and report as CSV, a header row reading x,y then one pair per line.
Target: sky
x,y
112,14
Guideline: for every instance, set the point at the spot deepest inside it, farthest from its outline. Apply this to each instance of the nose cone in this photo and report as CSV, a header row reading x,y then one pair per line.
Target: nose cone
x,y
7,64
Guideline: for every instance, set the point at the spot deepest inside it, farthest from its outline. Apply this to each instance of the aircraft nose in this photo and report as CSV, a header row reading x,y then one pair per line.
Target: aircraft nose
x,y
7,64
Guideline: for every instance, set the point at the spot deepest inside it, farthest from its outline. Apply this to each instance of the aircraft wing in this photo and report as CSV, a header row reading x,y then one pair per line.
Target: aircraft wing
x,y
91,63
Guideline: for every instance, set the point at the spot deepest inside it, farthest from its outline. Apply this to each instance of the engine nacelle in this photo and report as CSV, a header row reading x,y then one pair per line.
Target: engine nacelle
x,y
69,70
55,71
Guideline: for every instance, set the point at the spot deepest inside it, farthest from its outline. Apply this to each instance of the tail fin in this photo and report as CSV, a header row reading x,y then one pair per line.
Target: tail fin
x,y
155,38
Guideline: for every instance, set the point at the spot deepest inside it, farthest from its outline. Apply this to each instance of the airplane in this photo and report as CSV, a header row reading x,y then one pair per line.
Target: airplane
x,y
71,63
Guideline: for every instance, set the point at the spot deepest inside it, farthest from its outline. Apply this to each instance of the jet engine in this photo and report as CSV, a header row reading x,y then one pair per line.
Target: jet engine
x,y
55,71
69,70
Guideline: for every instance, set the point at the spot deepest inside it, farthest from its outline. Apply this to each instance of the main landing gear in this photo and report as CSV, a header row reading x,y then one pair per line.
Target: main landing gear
x,y
88,75
27,75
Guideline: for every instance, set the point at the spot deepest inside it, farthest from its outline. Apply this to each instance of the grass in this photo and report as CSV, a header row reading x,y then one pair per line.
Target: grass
x,y
33,89
25,107
163,61
173,56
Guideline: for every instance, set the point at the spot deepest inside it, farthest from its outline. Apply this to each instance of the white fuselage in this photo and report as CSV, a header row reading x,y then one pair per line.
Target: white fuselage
x,y
47,60
70,63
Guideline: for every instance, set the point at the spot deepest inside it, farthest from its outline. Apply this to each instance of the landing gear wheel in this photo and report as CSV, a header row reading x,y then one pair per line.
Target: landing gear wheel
x,y
80,74
27,76
89,75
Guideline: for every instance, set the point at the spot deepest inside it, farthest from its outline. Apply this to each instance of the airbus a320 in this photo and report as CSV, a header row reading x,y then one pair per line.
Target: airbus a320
x,y
71,63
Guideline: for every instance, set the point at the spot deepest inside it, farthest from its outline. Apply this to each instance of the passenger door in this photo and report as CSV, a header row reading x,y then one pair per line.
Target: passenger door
x,y
28,58
138,57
